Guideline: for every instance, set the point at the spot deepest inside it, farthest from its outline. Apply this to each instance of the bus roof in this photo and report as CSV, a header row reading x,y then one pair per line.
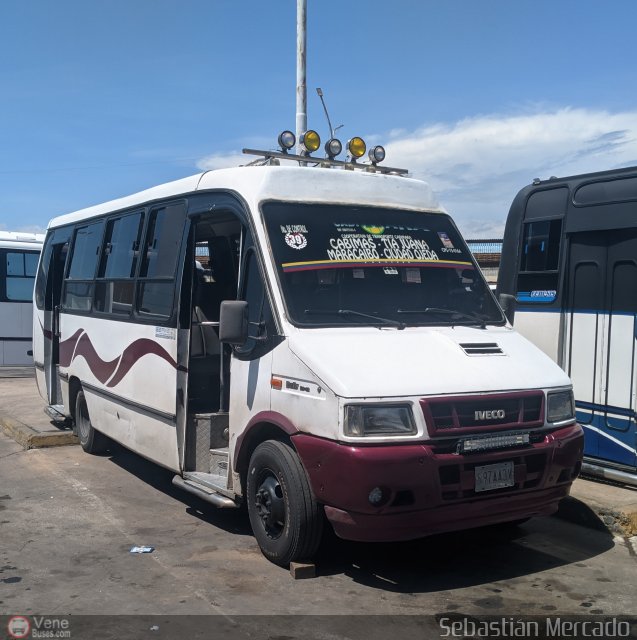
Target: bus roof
x,y
21,240
296,184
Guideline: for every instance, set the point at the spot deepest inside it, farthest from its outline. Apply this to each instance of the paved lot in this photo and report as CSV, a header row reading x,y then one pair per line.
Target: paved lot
x,y
68,520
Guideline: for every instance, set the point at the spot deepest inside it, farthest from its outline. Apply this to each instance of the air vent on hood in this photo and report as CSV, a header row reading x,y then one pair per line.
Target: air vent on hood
x,y
481,348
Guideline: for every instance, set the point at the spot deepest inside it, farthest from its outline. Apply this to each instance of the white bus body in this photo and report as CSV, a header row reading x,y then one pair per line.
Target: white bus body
x,y
354,395
19,254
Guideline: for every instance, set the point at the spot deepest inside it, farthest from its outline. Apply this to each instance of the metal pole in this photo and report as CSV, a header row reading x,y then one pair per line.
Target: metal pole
x,y
301,88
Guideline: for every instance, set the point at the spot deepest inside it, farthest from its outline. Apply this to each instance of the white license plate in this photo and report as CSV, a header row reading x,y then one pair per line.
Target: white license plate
x,y
494,476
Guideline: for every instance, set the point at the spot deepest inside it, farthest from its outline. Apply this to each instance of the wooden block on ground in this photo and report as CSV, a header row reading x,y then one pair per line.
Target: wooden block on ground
x,y
301,570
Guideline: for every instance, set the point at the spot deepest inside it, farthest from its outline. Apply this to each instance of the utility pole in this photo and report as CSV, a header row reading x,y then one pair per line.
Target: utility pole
x,y
301,88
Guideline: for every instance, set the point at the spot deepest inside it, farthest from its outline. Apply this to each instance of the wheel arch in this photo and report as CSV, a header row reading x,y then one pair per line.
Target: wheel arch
x,y
266,425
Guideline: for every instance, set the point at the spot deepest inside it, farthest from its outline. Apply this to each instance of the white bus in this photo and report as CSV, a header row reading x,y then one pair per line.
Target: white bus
x,y
315,342
19,254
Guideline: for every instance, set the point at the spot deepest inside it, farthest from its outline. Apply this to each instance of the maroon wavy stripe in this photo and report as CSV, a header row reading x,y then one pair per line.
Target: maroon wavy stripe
x,y
67,348
101,369
133,352
79,344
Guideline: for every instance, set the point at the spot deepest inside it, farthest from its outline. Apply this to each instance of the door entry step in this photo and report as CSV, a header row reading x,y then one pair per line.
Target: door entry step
x,y
56,413
205,431
210,481
205,491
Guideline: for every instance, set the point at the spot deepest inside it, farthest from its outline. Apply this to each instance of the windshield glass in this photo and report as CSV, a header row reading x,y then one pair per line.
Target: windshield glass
x,y
344,265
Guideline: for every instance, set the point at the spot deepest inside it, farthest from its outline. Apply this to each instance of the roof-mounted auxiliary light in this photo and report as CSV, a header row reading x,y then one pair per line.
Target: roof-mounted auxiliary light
x,y
356,147
333,147
286,140
310,141
376,154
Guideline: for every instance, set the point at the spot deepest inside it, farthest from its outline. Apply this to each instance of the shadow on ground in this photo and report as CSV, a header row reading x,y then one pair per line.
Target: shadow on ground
x,y
442,562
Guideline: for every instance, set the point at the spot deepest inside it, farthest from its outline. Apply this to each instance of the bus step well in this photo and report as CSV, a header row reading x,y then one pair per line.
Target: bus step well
x,y
204,486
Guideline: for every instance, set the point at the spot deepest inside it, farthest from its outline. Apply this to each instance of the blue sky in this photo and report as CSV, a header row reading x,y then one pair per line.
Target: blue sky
x,y
105,98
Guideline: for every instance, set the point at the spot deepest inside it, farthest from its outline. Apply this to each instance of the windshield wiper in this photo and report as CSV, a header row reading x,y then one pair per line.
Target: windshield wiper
x,y
351,312
453,312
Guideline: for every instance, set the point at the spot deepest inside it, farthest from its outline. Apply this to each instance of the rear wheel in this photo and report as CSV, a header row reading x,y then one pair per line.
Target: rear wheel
x,y
285,517
92,441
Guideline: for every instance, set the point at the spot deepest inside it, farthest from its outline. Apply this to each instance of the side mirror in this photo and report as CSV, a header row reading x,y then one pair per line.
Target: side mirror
x,y
507,302
233,322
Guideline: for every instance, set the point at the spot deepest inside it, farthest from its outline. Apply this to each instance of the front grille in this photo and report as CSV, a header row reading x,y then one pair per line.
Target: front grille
x,y
468,414
457,481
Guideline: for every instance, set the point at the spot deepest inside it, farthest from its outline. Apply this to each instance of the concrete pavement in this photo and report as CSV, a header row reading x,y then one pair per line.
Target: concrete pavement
x,y
592,503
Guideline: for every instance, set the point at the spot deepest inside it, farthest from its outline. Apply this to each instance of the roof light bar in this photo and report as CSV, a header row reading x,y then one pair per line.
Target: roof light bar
x,y
310,141
286,140
333,147
376,154
356,147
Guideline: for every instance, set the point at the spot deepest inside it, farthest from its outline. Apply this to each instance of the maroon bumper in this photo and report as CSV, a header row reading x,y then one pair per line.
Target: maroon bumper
x,y
427,490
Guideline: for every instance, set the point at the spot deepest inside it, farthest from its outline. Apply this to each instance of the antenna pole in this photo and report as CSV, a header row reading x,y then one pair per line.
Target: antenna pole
x,y
301,88
327,115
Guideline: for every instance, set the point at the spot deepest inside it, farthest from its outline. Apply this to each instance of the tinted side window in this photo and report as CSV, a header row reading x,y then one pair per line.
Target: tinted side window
x,y
78,290
114,290
156,282
121,247
85,251
539,276
163,242
261,329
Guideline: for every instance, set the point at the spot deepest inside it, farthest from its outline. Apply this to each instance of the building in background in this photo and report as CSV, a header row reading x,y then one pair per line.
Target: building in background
x,y
487,254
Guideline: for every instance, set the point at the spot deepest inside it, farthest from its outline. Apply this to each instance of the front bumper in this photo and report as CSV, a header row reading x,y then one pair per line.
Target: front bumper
x,y
429,490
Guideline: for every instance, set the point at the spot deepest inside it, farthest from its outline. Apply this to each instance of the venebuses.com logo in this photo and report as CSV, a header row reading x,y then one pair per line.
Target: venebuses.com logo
x,y
38,627
19,627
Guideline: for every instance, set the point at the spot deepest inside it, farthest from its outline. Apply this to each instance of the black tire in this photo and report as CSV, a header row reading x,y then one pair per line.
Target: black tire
x,y
285,517
92,441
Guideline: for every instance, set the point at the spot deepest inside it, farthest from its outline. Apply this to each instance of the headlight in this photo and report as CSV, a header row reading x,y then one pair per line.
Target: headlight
x,y
379,420
561,406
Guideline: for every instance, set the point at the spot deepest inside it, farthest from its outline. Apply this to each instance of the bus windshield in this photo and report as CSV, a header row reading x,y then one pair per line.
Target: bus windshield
x,y
347,265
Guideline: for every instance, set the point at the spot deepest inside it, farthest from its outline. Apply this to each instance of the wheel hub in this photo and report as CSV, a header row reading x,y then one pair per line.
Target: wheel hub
x,y
270,506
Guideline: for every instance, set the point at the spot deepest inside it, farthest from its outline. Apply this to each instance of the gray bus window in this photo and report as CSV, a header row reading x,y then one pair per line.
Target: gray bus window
x,y
114,288
620,190
156,282
21,268
78,290
85,249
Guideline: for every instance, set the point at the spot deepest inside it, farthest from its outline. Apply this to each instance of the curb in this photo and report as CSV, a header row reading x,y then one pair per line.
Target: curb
x,y
615,521
29,438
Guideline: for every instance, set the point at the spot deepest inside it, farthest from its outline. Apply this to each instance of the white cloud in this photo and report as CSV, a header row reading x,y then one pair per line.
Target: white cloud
x,y
478,164
221,161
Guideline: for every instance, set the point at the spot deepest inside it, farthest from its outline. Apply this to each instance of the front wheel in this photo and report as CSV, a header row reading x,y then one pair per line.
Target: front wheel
x,y
92,441
285,517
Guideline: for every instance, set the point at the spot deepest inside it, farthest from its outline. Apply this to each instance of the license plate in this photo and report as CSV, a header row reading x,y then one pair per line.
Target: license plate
x,y
494,476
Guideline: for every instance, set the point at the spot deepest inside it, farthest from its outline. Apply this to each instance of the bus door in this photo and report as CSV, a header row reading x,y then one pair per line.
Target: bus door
x,y
52,277
600,340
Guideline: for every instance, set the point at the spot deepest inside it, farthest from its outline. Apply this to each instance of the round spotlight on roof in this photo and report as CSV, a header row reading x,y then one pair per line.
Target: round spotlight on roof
x,y
310,141
377,154
333,147
356,146
286,140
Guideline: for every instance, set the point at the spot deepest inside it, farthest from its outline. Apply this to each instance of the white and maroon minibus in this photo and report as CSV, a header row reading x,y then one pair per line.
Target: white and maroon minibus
x,y
316,342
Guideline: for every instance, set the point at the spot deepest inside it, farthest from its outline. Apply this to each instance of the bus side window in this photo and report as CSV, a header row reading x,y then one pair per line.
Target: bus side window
x,y
115,285
539,261
260,321
156,283
20,275
78,290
